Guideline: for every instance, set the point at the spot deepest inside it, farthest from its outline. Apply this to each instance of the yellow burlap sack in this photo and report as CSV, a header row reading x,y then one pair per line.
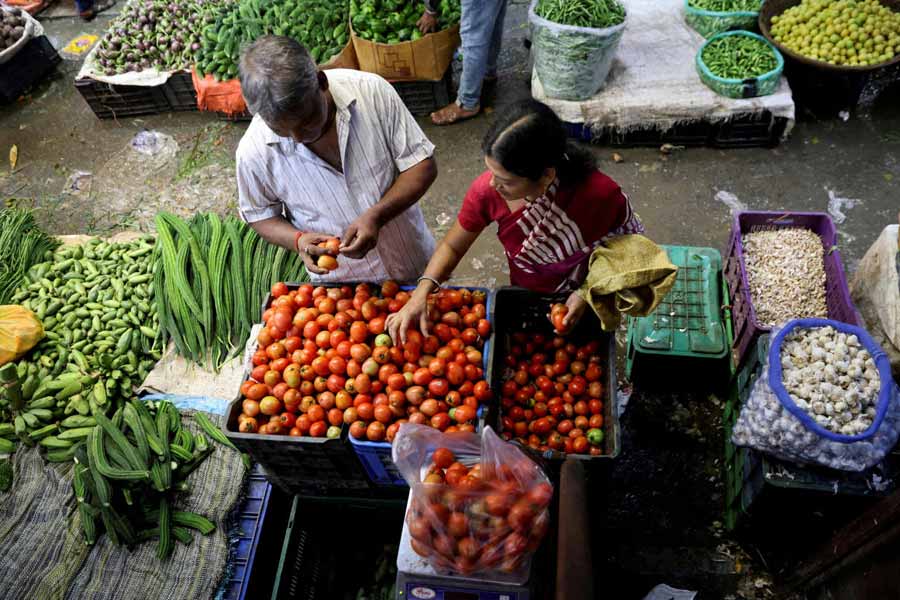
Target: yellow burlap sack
x,y
20,331
628,274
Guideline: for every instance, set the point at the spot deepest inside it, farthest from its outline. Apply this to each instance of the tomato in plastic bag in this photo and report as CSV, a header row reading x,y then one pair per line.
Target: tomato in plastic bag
x,y
479,505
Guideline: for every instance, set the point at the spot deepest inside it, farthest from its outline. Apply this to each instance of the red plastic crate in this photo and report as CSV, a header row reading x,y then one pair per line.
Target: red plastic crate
x,y
837,295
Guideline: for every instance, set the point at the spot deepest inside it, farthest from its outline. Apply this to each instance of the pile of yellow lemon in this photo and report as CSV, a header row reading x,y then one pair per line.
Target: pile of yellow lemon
x,y
840,32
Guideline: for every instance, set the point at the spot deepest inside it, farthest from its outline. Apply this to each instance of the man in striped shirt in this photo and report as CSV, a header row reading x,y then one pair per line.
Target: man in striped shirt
x,y
333,154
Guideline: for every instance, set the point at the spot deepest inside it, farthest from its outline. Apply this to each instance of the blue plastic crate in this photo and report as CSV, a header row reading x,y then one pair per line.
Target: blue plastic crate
x,y
251,516
376,456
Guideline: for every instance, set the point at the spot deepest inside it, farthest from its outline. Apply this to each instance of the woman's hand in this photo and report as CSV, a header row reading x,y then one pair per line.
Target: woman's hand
x,y
414,312
576,306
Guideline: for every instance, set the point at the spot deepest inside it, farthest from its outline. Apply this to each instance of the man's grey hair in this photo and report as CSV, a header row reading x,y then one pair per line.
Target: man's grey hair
x,y
278,76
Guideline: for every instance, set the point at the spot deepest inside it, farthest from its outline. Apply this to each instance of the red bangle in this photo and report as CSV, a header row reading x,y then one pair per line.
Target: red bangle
x,y
297,237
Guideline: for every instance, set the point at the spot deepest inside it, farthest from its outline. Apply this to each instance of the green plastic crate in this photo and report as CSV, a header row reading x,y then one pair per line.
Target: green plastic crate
x,y
753,478
694,319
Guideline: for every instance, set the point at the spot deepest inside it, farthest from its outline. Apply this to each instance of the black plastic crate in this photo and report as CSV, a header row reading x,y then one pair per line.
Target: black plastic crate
x,y
110,101
424,97
180,93
518,310
32,63
762,130
301,465
237,118
323,555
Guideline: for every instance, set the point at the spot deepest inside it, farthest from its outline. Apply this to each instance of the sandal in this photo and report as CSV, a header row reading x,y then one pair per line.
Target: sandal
x,y
95,10
453,113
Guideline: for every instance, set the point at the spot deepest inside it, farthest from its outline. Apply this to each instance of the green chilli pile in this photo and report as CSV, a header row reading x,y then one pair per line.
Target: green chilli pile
x,y
597,14
395,21
129,469
211,279
22,243
320,25
739,57
95,302
726,5
840,32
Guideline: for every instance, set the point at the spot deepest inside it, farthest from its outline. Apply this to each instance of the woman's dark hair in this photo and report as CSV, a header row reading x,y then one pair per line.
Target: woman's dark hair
x,y
527,138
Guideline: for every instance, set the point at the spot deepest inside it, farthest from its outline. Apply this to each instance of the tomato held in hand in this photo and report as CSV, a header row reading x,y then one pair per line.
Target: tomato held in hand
x,y
558,314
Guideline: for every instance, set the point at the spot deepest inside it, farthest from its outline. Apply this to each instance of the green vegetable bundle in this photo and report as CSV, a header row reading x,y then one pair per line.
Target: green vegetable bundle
x,y
96,305
320,25
211,279
597,14
726,5
128,470
22,244
156,34
739,57
394,21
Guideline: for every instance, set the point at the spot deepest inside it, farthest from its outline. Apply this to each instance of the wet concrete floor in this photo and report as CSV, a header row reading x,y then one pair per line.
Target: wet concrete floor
x,y
665,507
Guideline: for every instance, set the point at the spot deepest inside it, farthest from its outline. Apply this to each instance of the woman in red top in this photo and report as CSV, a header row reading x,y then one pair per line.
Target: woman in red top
x,y
551,205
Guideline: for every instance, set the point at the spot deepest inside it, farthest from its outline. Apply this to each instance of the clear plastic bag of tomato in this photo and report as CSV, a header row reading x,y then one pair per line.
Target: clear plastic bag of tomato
x,y
479,506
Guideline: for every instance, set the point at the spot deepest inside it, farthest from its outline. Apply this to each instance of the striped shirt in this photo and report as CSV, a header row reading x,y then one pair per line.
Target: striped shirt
x,y
378,139
548,241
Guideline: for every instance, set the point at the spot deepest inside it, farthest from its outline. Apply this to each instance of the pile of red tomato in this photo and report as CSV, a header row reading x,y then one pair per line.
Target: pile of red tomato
x,y
552,394
464,522
324,361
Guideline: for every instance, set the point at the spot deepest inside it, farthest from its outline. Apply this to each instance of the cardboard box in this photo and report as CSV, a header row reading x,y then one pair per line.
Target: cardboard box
x,y
425,59
345,59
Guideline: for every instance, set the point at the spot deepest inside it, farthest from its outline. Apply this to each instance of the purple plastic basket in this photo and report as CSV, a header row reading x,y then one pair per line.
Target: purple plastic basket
x,y
837,295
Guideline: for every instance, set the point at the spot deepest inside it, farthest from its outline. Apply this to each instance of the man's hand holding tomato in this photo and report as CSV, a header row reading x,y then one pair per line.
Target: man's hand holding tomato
x,y
309,250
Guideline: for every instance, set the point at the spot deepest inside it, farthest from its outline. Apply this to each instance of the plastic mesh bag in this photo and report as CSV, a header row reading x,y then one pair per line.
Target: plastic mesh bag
x,y
482,510
572,62
20,331
801,428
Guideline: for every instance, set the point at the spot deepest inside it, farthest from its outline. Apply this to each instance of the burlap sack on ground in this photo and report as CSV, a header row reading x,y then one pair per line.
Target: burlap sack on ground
x,y
46,556
875,289
877,282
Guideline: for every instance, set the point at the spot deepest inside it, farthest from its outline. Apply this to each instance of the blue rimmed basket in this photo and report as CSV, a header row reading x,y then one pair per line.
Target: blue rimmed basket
x,y
375,457
710,22
752,87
